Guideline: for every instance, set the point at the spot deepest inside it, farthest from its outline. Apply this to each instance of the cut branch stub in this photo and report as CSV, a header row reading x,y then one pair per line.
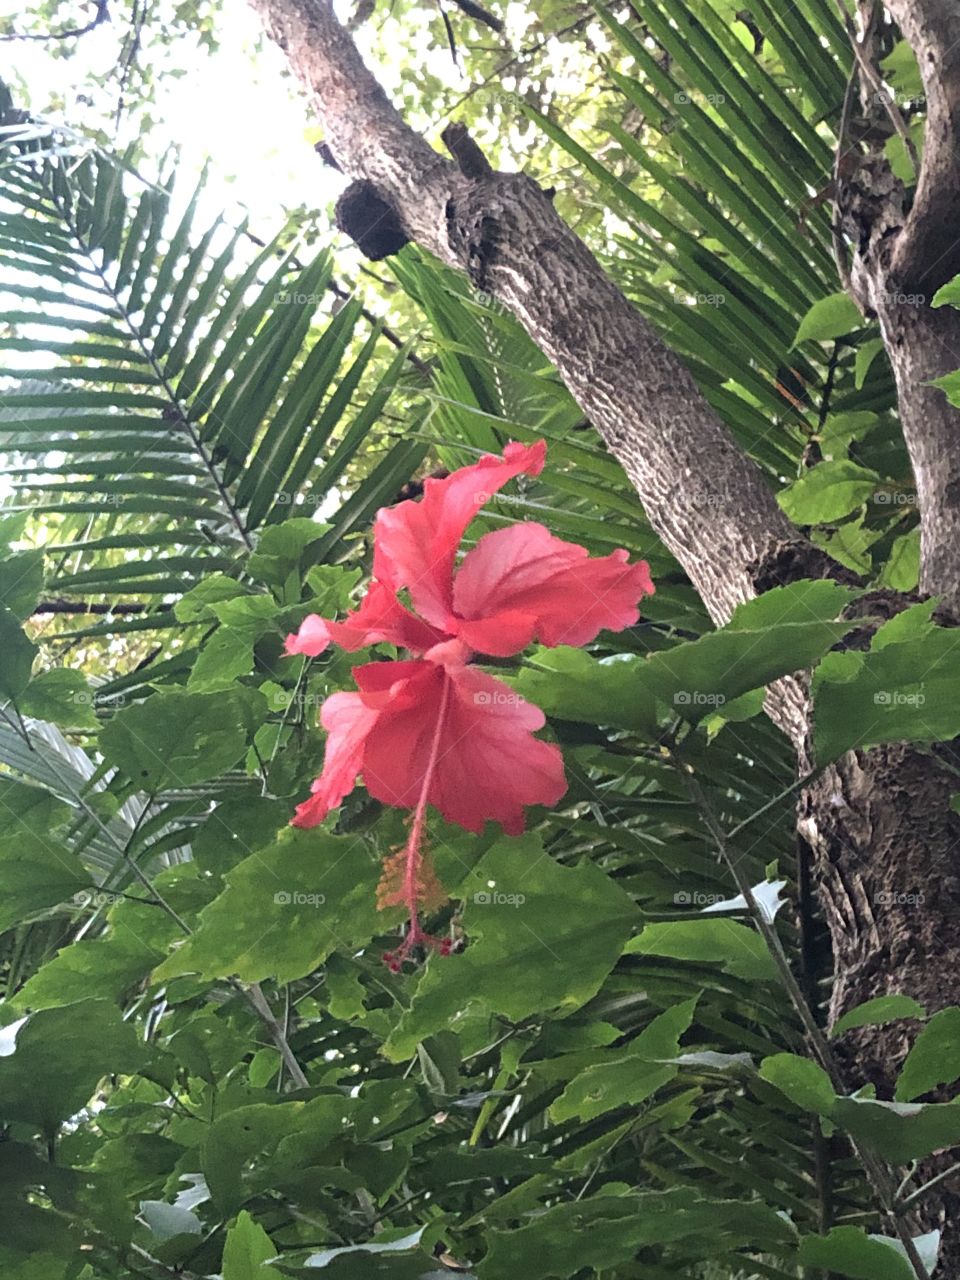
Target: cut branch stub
x,y
372,223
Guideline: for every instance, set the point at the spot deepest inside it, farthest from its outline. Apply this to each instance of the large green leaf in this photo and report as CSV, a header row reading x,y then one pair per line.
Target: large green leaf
x,y
518,921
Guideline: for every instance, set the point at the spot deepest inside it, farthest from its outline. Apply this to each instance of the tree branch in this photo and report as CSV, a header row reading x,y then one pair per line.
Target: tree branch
x,y
479,14
85,606
705,498
102,14
927,251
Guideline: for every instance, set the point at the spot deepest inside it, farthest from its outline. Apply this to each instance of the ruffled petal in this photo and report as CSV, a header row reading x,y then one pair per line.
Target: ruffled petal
x,y
489,767
380,619
525,572
416,543
348,721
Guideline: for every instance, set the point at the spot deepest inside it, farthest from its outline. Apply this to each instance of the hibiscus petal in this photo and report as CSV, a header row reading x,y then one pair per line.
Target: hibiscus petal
x,y
416,543
524,570
348,721
312,637
380,619
488,767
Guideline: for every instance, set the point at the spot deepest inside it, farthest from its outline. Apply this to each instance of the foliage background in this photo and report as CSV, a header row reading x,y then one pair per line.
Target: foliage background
x,y
205,1064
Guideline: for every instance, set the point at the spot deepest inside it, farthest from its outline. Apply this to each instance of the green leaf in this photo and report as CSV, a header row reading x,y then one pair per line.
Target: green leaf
x,y
867,352
899,1131
572,685
738,949
61,696
900,65
59,1056
829,318
253,1147
16,657
801,1080
849,1251
629,1077
934,1058
37,869
896,1131
280,549
879,1010
176,739
948,294
247,1248
519,922
895,692
902,570
603,1232
694,679
808,600
828,491
284,910
21,581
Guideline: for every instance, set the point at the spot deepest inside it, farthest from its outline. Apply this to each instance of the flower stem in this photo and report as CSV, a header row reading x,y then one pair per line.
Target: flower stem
x,y
413,856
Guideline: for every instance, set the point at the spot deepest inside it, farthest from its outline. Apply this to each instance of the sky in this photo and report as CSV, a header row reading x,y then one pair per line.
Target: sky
x,y
236,107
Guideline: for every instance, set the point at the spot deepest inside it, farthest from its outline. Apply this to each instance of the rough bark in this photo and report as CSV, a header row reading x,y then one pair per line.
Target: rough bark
x,y
928,252
904,249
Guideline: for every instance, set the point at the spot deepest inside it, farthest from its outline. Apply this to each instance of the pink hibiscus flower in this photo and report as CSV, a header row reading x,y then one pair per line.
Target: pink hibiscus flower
x,y
433,729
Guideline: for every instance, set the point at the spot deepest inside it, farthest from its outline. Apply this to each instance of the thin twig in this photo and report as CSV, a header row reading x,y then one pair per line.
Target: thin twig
x,y
102,15
254,994
920,1192
876,1171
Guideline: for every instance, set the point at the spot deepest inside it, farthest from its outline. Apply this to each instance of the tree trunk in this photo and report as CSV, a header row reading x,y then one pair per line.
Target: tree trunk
x,y
879,823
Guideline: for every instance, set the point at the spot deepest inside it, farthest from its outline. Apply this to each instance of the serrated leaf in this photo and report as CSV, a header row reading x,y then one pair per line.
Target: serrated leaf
x,y
518,920
828,491
176,739
738,949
